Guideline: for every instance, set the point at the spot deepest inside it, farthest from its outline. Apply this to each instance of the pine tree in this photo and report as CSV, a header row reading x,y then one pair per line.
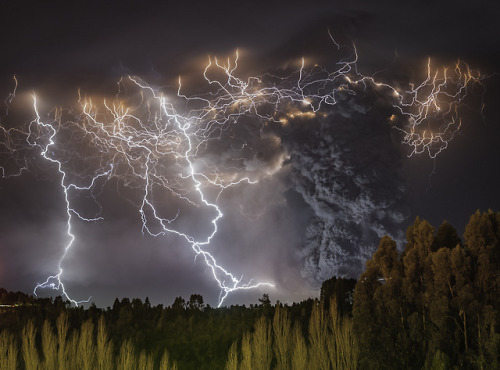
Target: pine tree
x,y
104,347
146,361
482,242
342,345
300,358
49,346
29,351
72,348
379,311
86,346
165,362
246,351
441,311
8,351
62,337
232,360
446,237
126,358
318,355
262,344
282,338
417,278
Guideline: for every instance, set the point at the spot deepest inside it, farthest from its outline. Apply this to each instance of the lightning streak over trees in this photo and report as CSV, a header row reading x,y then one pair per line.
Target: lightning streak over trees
x,y
157,144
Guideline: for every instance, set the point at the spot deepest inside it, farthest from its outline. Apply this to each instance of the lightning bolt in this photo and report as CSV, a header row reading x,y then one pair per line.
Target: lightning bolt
x,y
140,138
9,142
54,281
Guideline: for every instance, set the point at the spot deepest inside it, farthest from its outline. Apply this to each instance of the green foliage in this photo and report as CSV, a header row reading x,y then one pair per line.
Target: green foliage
x,y
195,302
341,290
146,361
104,355
165,363
318,355
75,351
330,343
299,358
246,350
342,345
446,236
282,338
62,335
440,361
232,360
437,305
86,347
378,310
30,353
126,359
262,344
8,351
49,346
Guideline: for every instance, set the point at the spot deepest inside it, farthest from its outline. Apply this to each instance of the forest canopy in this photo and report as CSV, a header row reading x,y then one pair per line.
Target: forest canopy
x,y
434,305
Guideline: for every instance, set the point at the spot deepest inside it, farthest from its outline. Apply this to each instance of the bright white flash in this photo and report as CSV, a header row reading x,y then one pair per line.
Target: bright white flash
x,y
150,141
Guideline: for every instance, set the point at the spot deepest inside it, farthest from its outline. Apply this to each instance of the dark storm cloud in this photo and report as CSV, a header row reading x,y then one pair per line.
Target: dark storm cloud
x,y
345,164
346,167
328,187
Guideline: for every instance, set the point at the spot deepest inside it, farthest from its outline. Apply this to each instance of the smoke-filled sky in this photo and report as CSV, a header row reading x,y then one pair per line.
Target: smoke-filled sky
x,y
328,185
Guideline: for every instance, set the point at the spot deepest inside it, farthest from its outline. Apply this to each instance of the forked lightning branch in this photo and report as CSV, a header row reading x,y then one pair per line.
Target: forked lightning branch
x,y
150,140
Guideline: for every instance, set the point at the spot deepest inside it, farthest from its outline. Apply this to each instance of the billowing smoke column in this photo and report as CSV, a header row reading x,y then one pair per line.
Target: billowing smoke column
x,y
177,154
345,165
346,160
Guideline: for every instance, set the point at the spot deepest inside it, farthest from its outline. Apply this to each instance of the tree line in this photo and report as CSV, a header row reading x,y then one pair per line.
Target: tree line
x,y
435,305
85,348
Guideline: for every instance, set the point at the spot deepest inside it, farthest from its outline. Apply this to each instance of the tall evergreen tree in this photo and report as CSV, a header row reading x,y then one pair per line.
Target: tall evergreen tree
x,y
318,351
482,242
232,360
86,346
104,347
416,281
8,351
30,353
446,236
379,312
49,346
282,338
62,336
262,344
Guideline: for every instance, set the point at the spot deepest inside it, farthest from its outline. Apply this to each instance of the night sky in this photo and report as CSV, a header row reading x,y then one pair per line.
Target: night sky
x,y
294,228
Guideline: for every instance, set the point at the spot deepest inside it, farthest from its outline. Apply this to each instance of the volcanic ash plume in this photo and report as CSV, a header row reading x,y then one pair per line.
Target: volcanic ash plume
x,y
346,169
